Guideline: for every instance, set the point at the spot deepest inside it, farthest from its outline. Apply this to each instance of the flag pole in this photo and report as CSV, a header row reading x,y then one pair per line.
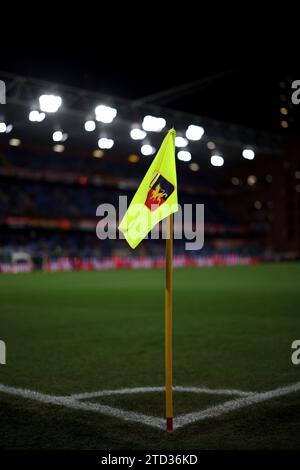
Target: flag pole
x,y
168,323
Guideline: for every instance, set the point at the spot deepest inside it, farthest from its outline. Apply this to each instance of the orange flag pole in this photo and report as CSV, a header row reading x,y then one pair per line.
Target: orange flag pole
x,y
168,324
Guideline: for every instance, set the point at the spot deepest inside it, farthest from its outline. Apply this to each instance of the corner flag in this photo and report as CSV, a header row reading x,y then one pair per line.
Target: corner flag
x,y
156,198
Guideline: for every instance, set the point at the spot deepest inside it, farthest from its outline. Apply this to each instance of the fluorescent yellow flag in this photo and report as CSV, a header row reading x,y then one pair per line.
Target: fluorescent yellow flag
x,y
156,197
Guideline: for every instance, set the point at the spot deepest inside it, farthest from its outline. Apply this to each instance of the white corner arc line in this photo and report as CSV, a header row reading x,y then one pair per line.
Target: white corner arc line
x,y
213,391
159,423
127,391
77,405
233,405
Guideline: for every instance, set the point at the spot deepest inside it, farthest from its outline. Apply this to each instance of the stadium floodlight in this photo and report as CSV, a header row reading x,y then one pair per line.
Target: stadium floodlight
x,y
14,142
258,205
153,124
217,160
252,180
58,148
249,154
5,128
50,103
36,116
235,181
98,153
181,142
194,132
59,136
2,127
133,158
90,126
147,149
194,166
105,114
211,145
104,143
9,128
137,134
184,156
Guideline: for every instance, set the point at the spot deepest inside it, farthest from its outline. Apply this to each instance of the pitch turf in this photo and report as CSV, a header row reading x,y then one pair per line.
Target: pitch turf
x,y
86,331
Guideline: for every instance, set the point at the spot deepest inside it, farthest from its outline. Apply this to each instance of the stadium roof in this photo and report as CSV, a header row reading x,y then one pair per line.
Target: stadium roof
x,y
78,106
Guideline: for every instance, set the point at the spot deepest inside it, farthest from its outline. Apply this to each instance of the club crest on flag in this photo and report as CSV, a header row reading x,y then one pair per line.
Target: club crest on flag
x,y
160,190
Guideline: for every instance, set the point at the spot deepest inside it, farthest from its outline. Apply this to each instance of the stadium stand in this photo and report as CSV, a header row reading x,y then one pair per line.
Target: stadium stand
x,y
44,201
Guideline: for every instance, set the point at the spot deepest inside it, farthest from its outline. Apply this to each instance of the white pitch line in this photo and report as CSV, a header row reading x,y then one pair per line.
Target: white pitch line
x,y
122,391
232,405
76,405
212,391
159,423
126,391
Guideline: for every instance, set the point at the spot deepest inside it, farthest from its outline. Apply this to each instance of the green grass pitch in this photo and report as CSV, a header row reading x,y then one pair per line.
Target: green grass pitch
x,y
80,332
